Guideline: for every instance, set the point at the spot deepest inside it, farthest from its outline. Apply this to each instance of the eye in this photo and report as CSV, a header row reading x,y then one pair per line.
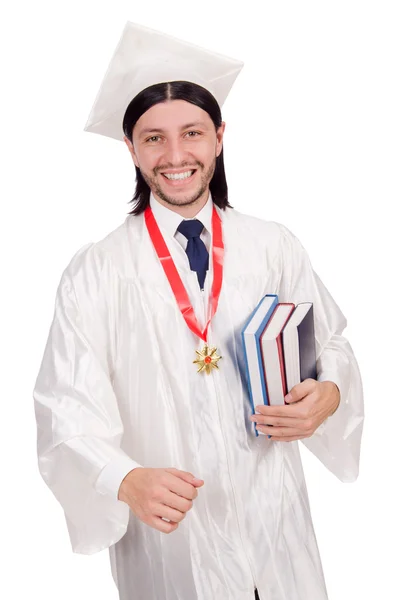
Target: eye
x,y
196,133
153,138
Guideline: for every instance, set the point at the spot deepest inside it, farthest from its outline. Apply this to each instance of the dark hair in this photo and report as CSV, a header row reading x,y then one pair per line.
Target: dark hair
x,y
175,90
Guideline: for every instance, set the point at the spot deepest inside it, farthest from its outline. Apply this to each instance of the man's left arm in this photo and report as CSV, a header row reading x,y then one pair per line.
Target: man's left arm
x,y
337,440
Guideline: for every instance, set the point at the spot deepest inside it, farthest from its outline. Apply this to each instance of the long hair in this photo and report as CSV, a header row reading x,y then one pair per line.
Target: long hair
x,y
175,90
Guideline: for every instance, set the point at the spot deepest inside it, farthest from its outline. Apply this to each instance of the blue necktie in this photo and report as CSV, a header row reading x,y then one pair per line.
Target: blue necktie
x,y
196,251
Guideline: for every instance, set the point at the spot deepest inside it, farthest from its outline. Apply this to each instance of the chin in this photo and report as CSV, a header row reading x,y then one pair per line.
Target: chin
x,y
185,201
182,198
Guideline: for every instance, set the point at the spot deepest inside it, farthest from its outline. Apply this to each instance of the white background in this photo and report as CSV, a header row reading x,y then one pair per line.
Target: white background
x,y
310,141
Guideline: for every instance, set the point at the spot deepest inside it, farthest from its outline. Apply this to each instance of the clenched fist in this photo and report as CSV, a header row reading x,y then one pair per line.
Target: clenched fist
x,y
157,494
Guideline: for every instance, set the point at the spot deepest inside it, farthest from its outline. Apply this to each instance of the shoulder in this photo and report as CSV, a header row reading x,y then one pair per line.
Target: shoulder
x,y
107,253
261,231
94,268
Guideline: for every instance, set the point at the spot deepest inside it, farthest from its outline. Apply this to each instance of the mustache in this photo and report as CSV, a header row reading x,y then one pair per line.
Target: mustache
x,y
156,170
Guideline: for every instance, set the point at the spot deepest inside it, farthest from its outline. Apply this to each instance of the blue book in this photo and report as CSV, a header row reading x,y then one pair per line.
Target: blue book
x,y
252,350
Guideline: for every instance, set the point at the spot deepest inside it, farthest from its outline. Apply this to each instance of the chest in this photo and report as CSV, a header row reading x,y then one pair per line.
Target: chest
x,y
150,323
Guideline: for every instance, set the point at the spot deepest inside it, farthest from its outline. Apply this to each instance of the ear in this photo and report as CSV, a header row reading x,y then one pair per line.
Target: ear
x,y
131,150
219,138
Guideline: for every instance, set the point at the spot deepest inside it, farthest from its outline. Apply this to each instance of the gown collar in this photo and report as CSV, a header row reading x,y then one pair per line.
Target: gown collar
x,y
169,221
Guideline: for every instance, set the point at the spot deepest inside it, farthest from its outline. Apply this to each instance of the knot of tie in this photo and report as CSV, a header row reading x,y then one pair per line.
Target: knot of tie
x,y
196,251
191,229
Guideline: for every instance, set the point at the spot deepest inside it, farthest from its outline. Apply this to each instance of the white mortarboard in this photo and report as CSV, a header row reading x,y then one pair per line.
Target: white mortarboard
x,y
144,57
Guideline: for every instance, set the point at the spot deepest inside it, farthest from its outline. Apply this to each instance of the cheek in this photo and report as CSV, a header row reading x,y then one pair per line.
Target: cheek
x,y
148,160
205,154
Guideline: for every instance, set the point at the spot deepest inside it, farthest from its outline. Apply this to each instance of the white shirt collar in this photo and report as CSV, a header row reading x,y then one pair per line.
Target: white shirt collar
x,y
169,221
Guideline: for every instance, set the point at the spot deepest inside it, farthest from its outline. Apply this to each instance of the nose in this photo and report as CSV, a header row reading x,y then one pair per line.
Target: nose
x,y
175,152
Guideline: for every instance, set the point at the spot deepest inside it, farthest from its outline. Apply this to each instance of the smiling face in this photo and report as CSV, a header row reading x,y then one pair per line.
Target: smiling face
x,y
175,145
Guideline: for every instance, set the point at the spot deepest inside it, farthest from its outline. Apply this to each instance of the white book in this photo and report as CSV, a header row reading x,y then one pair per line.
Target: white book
x,y
299,346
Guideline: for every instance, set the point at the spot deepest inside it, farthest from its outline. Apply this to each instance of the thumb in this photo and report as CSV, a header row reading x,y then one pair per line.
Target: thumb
x,y
300,391
186,476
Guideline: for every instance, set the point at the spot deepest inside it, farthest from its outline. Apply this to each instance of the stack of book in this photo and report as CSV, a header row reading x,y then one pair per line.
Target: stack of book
x,y
279,349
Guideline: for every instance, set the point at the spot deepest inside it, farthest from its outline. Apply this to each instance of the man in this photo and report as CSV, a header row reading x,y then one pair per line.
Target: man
x,y
144,421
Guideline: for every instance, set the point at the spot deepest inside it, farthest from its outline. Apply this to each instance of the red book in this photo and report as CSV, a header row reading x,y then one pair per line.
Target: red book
x,y
272,354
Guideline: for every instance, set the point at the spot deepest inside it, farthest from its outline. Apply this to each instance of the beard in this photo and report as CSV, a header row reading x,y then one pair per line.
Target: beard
x,y
204,179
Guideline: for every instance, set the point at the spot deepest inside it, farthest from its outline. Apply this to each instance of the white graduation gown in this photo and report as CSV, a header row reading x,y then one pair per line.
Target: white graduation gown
x,y
117,385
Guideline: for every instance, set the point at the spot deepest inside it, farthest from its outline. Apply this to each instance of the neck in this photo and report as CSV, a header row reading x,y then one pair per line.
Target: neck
x,y
187,211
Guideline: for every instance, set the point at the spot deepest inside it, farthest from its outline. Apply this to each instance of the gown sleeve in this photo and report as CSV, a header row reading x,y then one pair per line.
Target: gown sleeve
x,y
336,443
79,428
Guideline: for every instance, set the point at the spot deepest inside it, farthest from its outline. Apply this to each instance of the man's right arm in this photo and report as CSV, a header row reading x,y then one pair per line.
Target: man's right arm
x,y
79,427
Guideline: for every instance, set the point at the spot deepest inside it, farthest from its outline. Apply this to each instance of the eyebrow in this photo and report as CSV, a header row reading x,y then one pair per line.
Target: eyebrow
x,y
159,130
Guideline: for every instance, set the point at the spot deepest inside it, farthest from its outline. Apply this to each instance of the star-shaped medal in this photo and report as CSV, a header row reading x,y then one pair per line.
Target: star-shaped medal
x,y
207,359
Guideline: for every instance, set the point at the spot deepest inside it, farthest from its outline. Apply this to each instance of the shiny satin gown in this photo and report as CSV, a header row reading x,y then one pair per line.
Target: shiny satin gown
x,y
117,387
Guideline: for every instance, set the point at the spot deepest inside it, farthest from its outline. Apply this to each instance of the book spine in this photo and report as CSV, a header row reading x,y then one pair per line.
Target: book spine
x,y
264,381
250,395
282,364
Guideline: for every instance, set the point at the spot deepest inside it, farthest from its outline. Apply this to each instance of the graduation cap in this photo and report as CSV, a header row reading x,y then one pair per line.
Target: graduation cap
x,y
144,57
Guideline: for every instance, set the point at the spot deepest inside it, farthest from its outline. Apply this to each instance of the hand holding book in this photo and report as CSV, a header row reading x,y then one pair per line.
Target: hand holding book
x,y
280,355
309,404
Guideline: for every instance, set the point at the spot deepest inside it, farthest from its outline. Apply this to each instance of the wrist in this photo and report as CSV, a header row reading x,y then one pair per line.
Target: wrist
x,y
122,493
335,395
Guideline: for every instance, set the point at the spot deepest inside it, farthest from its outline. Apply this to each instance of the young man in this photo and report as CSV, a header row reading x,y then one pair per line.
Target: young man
x,y
144,421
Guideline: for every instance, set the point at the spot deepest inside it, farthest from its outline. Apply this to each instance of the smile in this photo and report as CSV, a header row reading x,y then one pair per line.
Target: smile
x,y
179,179
184,175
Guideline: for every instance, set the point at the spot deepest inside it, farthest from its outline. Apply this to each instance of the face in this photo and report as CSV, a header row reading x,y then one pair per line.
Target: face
x,y
175,145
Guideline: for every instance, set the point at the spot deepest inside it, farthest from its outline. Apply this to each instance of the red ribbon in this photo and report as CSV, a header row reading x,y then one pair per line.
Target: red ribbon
x,y
174,279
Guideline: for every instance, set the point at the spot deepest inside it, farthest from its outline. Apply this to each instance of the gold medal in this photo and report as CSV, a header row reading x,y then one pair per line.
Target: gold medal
x,y
207,359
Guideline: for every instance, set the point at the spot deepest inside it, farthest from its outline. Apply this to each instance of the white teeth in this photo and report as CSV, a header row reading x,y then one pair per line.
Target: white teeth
x,y
178,175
